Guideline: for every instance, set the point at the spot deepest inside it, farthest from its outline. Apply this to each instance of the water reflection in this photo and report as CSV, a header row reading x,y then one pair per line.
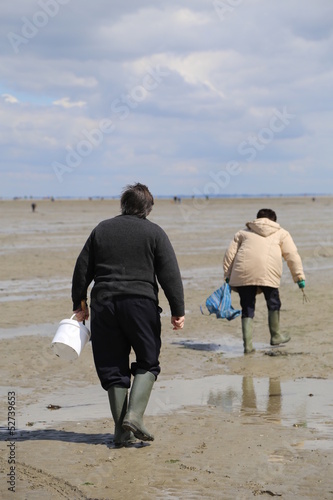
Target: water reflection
x,y
247,401
295,403
274,399
230,346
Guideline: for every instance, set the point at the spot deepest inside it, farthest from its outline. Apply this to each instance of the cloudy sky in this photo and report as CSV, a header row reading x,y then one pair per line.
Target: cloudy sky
x,y
191,97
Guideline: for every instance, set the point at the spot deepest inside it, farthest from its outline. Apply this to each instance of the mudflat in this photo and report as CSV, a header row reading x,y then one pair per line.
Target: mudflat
x,y
226,425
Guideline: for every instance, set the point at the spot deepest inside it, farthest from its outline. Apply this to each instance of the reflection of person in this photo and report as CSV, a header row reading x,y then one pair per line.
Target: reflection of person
x,y
275,397
229,399
125,256
253,264
249,398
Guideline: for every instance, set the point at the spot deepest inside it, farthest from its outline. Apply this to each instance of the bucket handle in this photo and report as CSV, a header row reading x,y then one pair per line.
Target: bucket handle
x,y
72,317
83,307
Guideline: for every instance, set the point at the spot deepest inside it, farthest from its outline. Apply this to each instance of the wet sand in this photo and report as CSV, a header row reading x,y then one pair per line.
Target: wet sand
x,y
226,425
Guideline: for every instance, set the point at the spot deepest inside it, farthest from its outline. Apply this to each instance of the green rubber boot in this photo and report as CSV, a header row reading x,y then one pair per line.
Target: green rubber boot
x,y
139,396
274,328
247,330
118,404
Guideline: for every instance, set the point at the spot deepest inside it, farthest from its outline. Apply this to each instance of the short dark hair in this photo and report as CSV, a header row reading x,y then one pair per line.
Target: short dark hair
x,y
136,199
266,213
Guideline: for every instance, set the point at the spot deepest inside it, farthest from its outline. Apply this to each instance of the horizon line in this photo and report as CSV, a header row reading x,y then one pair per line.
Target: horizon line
x,y
160,196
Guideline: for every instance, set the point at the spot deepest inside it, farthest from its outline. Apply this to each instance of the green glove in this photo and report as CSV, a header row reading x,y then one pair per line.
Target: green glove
x,y
227,280
301,284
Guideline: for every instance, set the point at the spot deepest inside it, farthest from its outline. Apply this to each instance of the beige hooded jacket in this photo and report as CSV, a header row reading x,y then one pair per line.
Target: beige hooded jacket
x,y
254,257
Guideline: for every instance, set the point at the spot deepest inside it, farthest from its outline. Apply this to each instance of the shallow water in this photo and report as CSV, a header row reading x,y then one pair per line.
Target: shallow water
x,y
296,403
208,230
229,346
19,290
42,330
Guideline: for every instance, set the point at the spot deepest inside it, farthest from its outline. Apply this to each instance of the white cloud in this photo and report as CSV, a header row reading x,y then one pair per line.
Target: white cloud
x,y
66,103
10,98
222,80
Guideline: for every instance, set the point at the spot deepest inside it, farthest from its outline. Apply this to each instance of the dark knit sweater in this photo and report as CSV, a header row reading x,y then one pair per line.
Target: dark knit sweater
x,y
124,256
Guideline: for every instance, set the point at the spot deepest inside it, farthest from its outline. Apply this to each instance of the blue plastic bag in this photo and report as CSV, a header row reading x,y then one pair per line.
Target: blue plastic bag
x,y
219,303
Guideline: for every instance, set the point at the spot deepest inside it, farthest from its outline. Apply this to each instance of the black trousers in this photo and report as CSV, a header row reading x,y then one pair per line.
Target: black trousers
x,y
117,325
247,295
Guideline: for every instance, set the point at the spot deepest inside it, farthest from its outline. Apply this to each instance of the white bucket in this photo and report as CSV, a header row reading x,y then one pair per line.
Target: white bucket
x,y
70,339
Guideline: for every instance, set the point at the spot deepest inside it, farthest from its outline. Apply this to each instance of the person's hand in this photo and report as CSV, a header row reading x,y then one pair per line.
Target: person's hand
x,y
301,283
178,322
81,314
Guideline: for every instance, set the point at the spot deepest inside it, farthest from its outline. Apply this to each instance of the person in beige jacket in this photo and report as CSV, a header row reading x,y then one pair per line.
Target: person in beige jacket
x,y
253,264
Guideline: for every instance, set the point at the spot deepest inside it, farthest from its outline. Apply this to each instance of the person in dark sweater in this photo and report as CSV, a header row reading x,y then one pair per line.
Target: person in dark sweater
x,y
126,257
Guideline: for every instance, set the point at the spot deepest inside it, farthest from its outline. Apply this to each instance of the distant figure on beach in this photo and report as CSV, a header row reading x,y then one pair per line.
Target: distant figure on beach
x,y
253,264
33,206
125,256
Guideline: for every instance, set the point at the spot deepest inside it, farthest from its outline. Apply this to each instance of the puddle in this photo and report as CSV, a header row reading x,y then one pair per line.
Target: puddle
x,y
42,329
230,347
18,290
299,403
